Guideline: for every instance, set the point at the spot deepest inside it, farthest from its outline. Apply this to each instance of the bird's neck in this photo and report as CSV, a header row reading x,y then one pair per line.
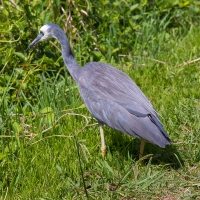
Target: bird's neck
x,y
69,60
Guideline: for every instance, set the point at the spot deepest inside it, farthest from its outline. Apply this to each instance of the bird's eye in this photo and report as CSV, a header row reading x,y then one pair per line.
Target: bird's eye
x,y
41,33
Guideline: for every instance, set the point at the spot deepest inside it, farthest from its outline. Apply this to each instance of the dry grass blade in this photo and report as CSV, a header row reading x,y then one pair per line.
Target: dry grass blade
x,y
74,114
188,62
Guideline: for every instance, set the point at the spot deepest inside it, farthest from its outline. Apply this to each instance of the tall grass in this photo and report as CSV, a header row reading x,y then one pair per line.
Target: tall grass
x,y
50,144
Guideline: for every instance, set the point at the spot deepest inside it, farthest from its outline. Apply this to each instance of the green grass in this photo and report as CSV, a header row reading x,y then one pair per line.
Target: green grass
x,y
36,165
50,144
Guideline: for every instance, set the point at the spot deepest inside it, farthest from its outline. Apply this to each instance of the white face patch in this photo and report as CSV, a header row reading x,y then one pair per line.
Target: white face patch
x,y
44,29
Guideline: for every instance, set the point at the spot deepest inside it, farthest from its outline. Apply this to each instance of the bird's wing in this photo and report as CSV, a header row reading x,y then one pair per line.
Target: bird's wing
x,y
114,99
110,83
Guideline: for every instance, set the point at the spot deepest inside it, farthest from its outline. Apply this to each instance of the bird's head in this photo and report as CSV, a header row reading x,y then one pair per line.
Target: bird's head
x,y
47,31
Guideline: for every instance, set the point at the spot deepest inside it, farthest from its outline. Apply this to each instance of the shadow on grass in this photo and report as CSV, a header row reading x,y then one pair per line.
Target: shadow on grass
x,y
123,145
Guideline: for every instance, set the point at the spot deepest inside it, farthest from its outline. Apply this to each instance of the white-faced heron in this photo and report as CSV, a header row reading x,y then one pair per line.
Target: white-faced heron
x,y
110,95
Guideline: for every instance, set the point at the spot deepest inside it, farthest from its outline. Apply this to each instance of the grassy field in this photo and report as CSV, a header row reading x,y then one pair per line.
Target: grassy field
x,y
50,144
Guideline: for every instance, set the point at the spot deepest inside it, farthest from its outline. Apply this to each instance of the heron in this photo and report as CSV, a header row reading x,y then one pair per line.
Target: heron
x,y
110,95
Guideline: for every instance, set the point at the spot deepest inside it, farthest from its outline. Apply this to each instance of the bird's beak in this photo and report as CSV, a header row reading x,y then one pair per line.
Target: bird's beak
x,y
37,40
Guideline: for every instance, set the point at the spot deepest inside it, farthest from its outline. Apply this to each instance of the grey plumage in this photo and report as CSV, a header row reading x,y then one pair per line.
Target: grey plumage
x,y
110,95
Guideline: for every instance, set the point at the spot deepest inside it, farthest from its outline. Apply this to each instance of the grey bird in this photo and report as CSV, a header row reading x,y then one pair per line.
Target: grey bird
x,y
110,95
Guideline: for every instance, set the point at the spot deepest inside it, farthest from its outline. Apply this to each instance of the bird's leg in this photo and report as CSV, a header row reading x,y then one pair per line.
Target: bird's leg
x,y
143,141
103,144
